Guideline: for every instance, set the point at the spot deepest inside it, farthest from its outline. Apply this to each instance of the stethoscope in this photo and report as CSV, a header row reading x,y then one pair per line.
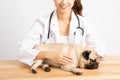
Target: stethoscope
x,y
77,28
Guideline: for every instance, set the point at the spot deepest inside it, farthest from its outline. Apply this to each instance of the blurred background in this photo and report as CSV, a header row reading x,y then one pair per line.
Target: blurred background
x,y
17,16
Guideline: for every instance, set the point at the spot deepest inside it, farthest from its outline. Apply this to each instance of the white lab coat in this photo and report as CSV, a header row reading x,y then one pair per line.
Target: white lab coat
x,y
39,31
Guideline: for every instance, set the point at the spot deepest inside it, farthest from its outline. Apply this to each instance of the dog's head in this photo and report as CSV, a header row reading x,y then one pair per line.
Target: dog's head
x,y
91,59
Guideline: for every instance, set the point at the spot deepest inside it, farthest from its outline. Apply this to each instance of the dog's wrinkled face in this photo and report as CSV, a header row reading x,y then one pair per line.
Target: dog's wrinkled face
x,y
92,59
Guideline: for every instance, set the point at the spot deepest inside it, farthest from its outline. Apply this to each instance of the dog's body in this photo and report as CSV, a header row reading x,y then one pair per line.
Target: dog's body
x,y
82,58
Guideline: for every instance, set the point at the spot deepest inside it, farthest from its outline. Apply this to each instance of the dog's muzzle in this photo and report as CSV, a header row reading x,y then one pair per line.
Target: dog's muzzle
x,y
92,65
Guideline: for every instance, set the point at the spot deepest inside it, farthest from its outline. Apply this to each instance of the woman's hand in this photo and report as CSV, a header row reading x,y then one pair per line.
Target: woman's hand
x,y
57,57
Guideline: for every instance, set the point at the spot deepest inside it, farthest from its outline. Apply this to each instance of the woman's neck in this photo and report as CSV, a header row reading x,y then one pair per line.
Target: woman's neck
x,y
64,16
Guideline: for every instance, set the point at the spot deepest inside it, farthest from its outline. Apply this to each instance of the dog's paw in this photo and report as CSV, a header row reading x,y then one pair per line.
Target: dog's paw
x,y
34,71
47,69
78,73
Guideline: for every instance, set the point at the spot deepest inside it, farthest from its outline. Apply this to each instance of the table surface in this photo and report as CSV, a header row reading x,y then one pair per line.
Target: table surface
x,y
109,69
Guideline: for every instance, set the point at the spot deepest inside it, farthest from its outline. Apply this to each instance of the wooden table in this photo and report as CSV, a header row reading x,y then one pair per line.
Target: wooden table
x,y
109,69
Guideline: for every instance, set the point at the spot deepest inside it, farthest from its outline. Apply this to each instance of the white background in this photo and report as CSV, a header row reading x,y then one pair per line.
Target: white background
x,y
17,16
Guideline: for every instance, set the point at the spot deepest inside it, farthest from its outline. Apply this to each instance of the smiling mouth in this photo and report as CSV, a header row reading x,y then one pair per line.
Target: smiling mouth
x,y
63,6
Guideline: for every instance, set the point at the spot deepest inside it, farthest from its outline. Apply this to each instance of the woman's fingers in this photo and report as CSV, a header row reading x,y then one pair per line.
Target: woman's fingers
x,y
63,62
61,58
66,60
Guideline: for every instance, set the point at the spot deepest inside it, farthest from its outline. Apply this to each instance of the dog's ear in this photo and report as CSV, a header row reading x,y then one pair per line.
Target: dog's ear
x,y
86,54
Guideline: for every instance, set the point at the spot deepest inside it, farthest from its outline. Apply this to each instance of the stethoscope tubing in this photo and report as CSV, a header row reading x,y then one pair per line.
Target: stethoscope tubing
x,y
48,36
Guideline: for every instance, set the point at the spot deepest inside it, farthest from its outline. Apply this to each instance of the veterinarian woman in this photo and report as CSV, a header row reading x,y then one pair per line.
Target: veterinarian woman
x,y
64,25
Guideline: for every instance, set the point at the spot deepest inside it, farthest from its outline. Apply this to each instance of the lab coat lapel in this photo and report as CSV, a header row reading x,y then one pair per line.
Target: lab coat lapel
x,y
54,28
73,25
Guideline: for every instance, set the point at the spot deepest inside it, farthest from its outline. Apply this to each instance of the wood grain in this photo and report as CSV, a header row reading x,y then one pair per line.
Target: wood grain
x,y
109,69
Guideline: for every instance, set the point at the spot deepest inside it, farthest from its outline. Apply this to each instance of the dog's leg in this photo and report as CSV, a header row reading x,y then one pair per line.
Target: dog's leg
x,y
71,69
51,63
46,67
75,71
35,65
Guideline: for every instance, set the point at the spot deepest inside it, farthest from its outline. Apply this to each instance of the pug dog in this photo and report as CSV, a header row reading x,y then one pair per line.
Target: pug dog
x,y
88,59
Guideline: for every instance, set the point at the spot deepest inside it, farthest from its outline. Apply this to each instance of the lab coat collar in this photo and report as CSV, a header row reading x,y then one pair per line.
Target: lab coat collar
x,y
73,25
55,27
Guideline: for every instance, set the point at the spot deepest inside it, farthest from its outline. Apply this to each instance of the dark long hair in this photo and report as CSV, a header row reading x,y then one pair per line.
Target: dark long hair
x,y
77,7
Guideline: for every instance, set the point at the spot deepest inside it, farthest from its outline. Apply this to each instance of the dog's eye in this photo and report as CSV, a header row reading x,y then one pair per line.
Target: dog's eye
x,y
86,54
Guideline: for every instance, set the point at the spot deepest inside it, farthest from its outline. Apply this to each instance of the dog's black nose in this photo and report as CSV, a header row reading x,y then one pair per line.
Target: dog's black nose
x,y
92,66
95,66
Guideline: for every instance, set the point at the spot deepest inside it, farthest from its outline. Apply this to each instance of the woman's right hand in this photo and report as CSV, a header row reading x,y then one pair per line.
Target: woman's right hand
x,y
57,57
60,57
